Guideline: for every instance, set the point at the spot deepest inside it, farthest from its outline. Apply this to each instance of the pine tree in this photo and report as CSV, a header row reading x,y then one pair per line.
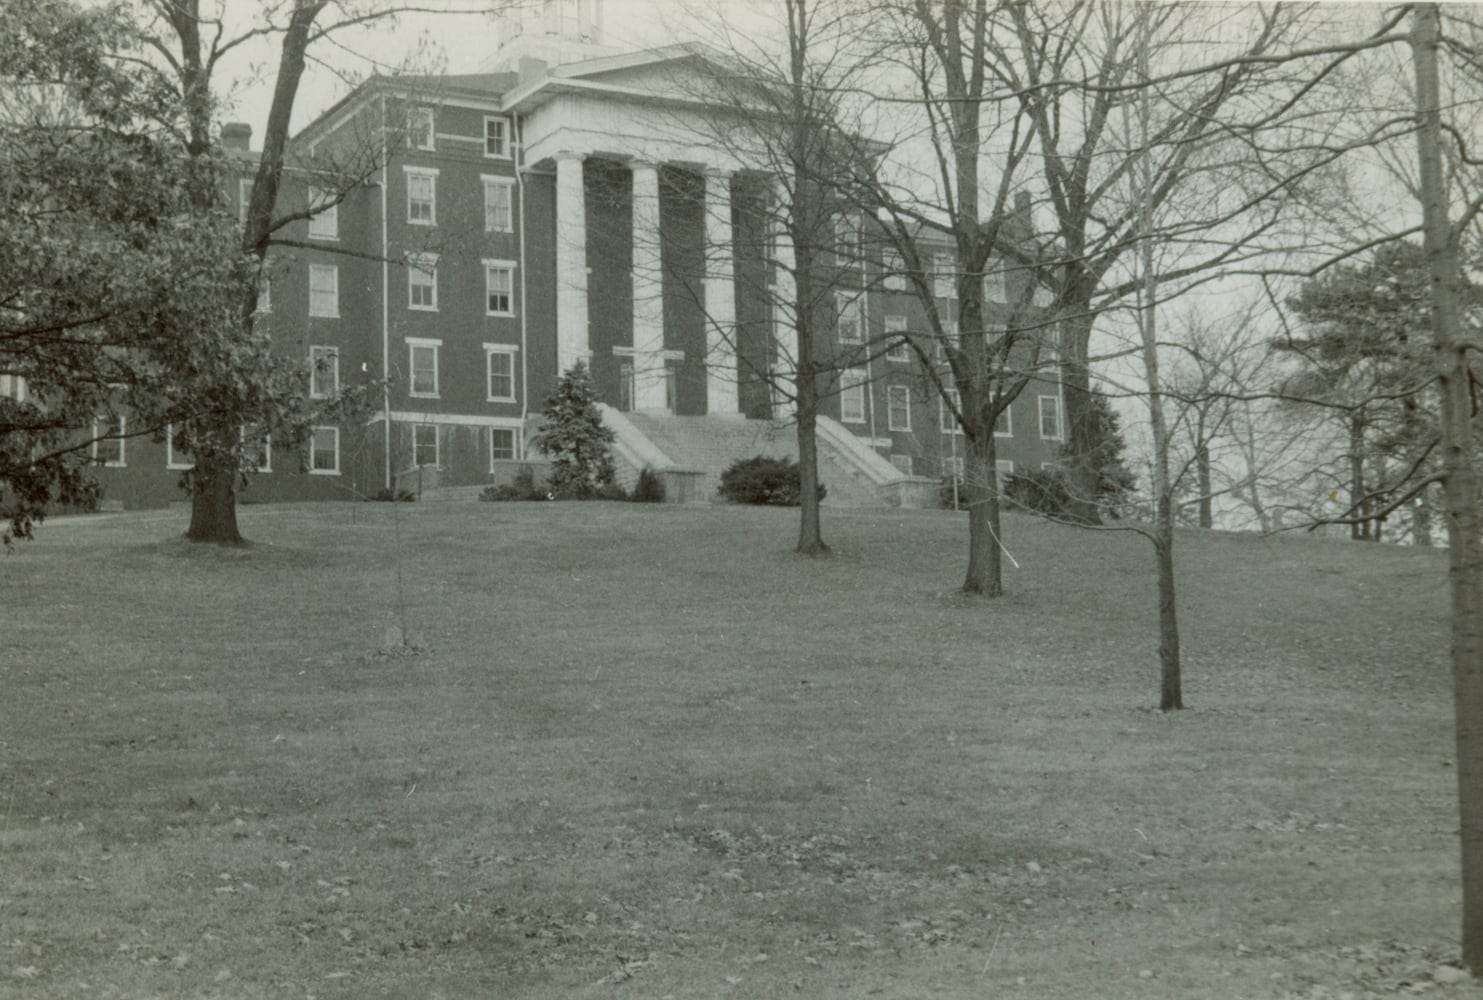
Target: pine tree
x,y
575,438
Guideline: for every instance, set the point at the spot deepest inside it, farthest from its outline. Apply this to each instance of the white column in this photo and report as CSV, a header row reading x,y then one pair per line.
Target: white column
x,y
784,307
571,262
648,292
720,296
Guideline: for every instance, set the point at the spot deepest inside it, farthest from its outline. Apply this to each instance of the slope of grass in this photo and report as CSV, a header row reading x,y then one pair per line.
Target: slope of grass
x,y
648,752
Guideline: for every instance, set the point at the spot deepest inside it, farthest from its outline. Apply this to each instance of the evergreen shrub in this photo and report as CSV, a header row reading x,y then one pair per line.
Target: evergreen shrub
x,y
649,488
763,480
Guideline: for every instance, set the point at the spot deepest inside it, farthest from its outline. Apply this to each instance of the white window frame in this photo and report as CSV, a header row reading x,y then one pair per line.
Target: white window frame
x,y
506,351
899,351
514,445
1007,415
266,465
437,462
422,265
430,174
123,424
849,317
333,270
506,188
313,451
852,385
414,344
944,276
324,223
504,124
1056,414
894,278
948,424
422,128
171,460
490,267
317,351
244,198
1003,469
898,395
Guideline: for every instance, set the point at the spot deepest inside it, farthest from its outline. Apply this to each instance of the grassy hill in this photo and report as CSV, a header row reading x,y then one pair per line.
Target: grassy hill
x,y
647,752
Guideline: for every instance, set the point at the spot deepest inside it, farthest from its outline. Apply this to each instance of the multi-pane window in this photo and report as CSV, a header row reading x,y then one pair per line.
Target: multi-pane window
x,y
324,222
324,290
497,137
108,441
499,202
898,408
852,396
423,365
898,349
1003,424
945,276
324,372
951,406
499,288
257,449
422,196
422,282
177,456
420,134
501,444
895,273
425,444
847,307
500,365
324,451
1050,418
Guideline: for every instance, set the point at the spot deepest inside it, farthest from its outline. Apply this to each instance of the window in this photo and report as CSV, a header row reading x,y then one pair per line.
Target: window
x,y
898,350
1003,424
420,134
1003,469
895,273
954,401
898,408
177,456
324,372
423,364
257,450
945,276
902,463
422,196
324,290
625,385
244,199
1050,418
324,224
425,445
324,451
499,201
847,308
844,237
501,445
950,332
497,138
108,442
500,365
499,288
852,396
422,282
264,294
994,286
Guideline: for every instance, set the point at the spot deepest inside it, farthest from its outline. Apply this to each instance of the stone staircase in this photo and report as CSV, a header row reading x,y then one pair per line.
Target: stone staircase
x,y
709,445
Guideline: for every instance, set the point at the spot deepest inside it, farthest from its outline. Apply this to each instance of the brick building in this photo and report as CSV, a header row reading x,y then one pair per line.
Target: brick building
x,y
477,234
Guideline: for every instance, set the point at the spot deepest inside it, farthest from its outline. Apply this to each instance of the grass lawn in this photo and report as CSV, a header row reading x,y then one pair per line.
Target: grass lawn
x,y
648,752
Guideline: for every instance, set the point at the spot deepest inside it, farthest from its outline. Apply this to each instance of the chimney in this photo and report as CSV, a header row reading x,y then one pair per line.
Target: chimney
x,y
237,136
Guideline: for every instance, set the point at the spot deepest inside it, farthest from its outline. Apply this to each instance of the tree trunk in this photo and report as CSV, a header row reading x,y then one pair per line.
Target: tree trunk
x,y
1465,554
810,530
1207,502
214,504
1171,693
1421,519
985,572
1359,507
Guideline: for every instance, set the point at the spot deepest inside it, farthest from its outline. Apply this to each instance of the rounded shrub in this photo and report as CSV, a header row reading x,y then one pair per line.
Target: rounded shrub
x,y
763,480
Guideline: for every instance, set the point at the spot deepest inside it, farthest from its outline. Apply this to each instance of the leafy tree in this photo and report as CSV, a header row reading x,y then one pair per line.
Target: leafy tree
x,y
575,438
